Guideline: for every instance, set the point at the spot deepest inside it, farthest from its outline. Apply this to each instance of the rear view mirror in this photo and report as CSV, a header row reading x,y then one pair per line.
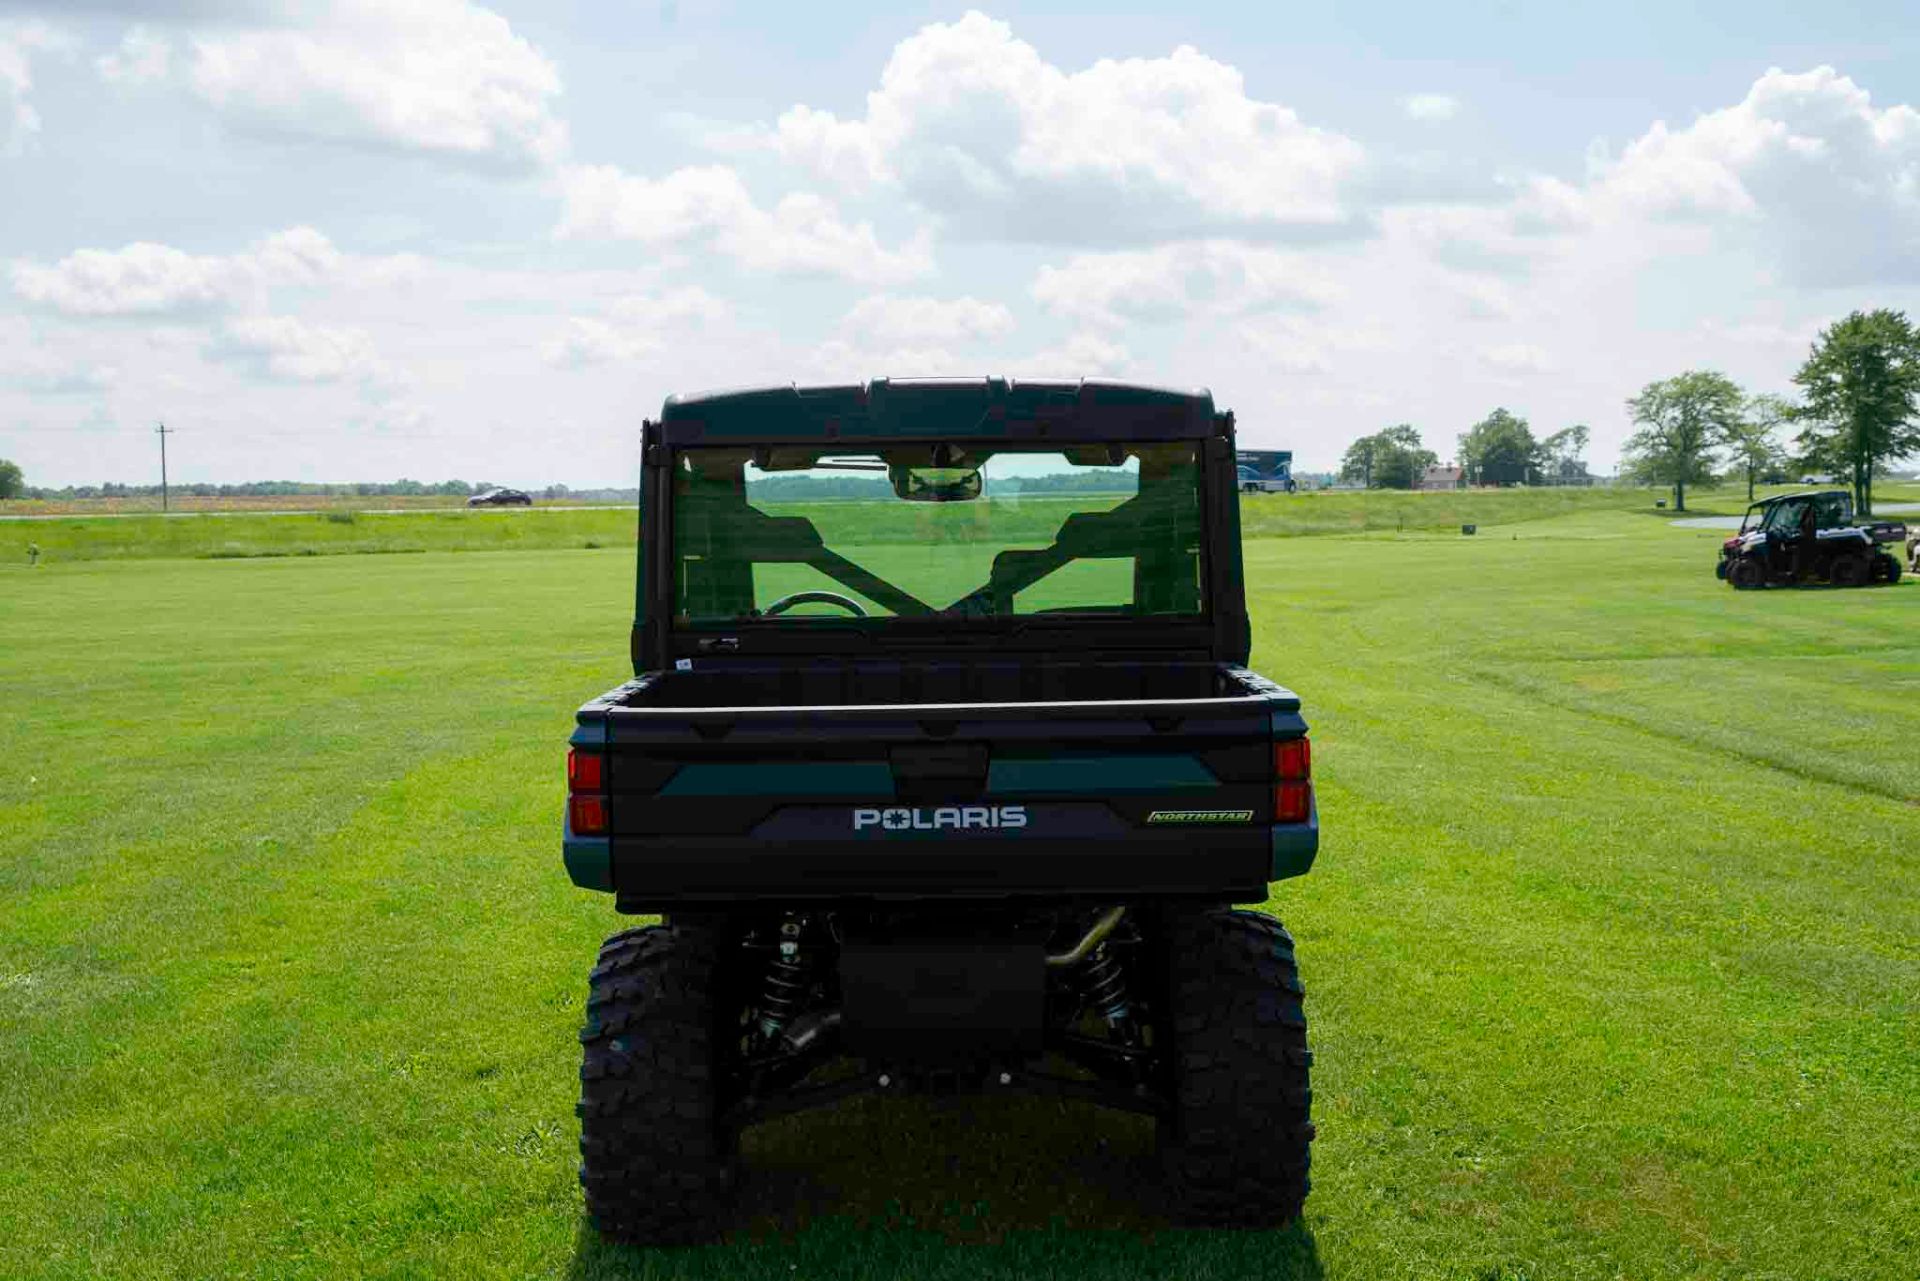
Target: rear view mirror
x,y
935,484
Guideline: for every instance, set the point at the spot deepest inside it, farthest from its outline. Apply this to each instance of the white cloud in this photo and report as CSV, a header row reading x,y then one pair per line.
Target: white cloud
x,y
1217,277
640,325
974,124
893,318
588,340
141,279
1283,350
1486,299
683,306
842,151
840,361
1516,358
440,77
1430,106
145,279
284,349
1683,248
1478,239
1083,354
1828,183
19,42
143,57
803,234
1790,342
48,373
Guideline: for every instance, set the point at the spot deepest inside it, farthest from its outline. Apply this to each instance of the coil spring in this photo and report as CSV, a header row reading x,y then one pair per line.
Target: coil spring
x,y
1105,984
784,985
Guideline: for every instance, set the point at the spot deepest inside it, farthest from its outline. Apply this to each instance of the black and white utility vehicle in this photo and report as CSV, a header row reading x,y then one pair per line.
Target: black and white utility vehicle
x,y
1810,538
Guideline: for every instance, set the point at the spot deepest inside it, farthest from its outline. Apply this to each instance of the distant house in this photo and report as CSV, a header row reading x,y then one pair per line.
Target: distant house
x,y
1439,477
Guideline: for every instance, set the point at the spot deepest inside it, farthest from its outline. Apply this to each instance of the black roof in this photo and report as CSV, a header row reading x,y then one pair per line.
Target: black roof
x,y
939,408
1804,493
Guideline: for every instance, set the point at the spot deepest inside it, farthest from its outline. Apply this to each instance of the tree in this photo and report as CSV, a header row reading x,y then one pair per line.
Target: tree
x,y
1563,454
1756,448
1861,381
1400,459
12,482
1357,462
1500,450
1683,420
1390,459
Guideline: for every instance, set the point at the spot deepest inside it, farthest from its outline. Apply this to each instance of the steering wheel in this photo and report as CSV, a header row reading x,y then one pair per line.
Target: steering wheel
x,y
786,603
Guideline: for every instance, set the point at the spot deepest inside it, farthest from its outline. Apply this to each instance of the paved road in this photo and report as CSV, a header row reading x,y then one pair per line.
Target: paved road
x,y
1733,522
321,511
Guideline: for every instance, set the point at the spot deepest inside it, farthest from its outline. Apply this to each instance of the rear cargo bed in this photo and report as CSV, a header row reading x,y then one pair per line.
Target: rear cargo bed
x,y
900,780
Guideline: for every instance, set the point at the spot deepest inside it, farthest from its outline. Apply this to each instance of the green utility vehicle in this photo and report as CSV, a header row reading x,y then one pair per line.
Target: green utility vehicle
x,y
943,766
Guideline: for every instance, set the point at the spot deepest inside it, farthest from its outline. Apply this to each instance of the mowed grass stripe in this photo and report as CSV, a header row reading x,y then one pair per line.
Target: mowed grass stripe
x,y
292,974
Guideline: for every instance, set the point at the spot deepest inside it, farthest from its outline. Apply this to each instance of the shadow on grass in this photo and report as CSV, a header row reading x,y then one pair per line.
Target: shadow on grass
x,y
962,1187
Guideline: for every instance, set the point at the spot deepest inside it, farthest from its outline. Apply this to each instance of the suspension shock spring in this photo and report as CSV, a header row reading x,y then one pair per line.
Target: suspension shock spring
x,y
784,986
1105,985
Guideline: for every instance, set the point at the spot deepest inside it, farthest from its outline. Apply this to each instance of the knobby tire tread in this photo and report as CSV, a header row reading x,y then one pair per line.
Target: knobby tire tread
x,y
1236,1151
656,1166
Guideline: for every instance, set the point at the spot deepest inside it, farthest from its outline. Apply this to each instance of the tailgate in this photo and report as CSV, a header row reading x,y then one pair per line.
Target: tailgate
x,y
938,800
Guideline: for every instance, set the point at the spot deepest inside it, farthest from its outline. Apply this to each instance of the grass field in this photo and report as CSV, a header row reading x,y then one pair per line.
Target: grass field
x,y
259,534
150,505
1612,951
244,535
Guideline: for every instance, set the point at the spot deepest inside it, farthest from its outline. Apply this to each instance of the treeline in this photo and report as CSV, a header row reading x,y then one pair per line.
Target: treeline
x,y
1855,418
815,489
1094,480
12,485
1500,449
1860,389
802,488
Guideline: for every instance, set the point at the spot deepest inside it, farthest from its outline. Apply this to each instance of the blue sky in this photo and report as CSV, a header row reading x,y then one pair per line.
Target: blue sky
x,y
357,240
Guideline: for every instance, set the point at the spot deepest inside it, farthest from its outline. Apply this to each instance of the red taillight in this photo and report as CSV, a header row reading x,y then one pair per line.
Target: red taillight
x,y
1293,781
586,792
587,814
586,771
1292,802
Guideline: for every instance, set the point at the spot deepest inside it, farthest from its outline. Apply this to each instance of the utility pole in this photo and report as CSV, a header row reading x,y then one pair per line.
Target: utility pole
x,y
163,430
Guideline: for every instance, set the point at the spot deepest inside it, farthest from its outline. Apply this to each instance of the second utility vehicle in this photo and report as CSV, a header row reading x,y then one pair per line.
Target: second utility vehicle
x,y
943,763
1802,538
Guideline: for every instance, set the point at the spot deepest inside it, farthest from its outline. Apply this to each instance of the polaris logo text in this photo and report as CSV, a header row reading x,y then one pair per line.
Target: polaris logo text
x,y
945,818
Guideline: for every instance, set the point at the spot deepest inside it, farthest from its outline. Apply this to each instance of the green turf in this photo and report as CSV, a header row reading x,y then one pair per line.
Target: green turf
x,y
252,534
1610,951
245,535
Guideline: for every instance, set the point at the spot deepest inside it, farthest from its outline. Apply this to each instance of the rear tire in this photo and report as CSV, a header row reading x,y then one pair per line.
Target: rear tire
x,y
1849,571
1746,574
657,1164
1235,1150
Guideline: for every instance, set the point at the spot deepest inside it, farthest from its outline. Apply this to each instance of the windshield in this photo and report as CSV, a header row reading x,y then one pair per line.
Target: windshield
x,y
1786,518
802,534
